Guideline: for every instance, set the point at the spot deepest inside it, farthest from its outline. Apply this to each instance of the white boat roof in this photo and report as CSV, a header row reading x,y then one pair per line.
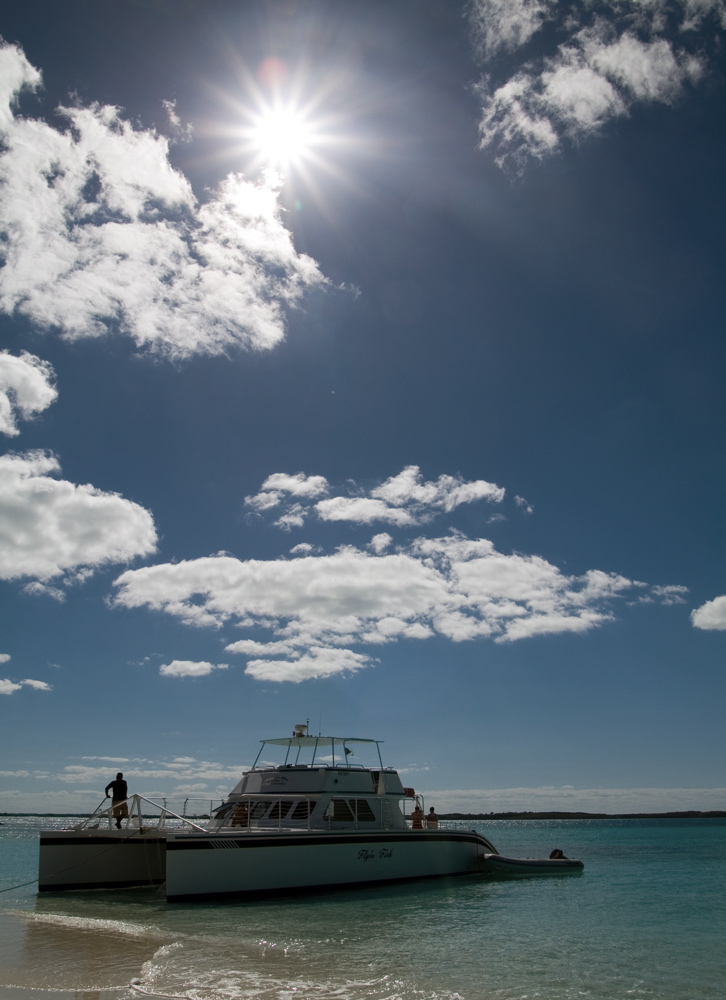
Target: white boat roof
x,y
317,741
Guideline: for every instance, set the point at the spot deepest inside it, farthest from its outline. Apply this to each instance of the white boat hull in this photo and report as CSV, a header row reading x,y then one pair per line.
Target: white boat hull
x,y
229,864
100,859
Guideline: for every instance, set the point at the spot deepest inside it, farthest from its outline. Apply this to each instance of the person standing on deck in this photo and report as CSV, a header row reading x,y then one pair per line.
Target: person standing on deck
x,y
432,820
119,794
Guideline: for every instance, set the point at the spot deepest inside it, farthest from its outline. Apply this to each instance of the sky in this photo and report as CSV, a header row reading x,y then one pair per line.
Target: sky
x,y
362,363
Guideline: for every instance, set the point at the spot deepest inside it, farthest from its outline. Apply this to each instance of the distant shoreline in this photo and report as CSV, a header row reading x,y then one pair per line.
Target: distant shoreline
x,y
688,814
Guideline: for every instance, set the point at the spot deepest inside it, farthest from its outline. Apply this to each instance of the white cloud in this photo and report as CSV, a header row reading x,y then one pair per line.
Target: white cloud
x,y
504,25
189,668
293,518
303,549
4,657
101,234
711,615
604,61
446,493
145,771
26,388
402,500
523,505
379,543
49,526
362,510
319,662
317,607
298,485
10,687
38,685
79,787
672,594
36,589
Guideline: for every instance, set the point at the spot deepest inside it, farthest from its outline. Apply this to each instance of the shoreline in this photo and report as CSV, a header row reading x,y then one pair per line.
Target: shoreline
x,y
686,814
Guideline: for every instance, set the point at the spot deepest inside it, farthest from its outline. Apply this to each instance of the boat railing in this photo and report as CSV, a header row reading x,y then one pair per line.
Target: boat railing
x,y
138,816
456,824
198,808
240,816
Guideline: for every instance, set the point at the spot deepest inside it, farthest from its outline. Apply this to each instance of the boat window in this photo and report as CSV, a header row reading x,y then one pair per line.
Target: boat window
x,y
363,811
258,809
340,811
301,811
280,809
241,814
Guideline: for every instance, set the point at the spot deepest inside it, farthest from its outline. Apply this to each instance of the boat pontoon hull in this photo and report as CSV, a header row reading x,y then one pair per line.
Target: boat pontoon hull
x,y
100,859
228,865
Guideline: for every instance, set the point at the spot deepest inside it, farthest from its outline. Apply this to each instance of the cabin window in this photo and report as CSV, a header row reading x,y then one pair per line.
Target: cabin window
x,y
258,809
301,811
279,809
240,815
363,811
339,811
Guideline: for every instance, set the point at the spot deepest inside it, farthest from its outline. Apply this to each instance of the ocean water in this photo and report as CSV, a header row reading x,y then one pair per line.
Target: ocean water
x,y
645,920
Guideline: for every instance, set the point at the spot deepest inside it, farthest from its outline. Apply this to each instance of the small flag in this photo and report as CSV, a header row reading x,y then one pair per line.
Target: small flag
x,y
347,750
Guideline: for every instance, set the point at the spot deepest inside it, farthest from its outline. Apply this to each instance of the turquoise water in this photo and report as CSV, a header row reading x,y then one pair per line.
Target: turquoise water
x,y
646,919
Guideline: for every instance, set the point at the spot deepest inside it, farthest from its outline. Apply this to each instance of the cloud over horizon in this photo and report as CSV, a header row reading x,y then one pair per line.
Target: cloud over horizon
x,y
316,606
593,65
100,235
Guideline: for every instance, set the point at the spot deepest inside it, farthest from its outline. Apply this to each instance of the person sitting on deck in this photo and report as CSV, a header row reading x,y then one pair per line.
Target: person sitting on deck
x,y
241,814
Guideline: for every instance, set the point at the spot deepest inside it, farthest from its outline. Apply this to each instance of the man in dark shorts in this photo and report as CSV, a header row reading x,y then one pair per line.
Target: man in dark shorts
x,y
119,794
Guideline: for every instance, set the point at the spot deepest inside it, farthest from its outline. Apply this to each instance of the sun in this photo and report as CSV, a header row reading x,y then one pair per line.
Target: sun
x,y
281,136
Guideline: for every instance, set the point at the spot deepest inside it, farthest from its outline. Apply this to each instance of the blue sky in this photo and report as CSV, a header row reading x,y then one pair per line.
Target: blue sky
x,y
363,363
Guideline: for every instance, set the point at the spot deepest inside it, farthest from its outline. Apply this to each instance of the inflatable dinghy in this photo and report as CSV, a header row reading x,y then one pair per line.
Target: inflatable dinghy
x,y
496,864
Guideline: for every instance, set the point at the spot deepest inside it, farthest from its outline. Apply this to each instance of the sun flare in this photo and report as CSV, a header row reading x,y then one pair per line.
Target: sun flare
x,y
281,136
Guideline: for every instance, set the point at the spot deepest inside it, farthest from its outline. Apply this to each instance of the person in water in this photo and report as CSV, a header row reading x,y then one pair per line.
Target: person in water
x,y
119,794
432,820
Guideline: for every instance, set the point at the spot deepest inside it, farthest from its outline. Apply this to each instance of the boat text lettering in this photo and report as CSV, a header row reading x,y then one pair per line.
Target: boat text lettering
x,y
384,852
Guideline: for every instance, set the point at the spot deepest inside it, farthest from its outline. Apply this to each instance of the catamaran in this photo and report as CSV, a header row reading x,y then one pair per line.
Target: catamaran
x,y
313,820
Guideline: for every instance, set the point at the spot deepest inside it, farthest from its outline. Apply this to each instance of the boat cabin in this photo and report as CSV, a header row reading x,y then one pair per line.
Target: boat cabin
x,y
316,786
